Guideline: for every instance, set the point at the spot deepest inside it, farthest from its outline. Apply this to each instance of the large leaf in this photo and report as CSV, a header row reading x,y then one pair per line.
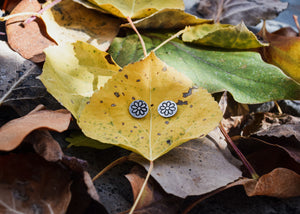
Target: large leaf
x,y
243,74
136,9
222,35
282,52
72,72
232,12
107,119
67,22
196,167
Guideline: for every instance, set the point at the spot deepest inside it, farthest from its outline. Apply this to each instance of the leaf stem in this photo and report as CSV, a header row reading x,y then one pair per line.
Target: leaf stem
x,y
142,189
41,11
239,153
5,18
139,35
111,165
297,23
169,39
278,107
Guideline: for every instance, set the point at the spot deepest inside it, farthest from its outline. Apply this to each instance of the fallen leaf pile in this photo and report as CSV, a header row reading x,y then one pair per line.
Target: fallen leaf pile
x,y
86,55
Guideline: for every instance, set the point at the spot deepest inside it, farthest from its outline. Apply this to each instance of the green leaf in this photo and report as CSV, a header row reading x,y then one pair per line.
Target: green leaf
x,y
243,74
77,138
222,35
72,72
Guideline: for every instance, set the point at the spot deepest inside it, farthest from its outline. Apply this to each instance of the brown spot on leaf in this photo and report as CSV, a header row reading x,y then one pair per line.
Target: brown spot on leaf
x,y
123,123
123,94
158,134
167,122
117,94
180,102
168,142
189,93
101,101
191,106
126,76
120,70
109,59
133,98
135,127
138,80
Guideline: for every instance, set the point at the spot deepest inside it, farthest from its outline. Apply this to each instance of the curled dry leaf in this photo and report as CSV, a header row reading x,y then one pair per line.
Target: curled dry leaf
x,y
235,11
154,199
85,198
45,145
270,124
196,167
265,157
29,184
283,52
161,20
222,35
68,21
29,40
281,183
13,132
106,117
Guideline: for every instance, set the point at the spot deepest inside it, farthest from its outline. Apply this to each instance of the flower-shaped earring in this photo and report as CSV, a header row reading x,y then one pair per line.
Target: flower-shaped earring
x,y
167,108
138,109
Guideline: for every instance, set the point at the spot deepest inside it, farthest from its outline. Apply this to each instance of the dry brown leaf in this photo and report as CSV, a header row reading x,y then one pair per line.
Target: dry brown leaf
x,y
265,157
232,12
154,199
29,40
270,124
196,167
84,193
29,184
281,183
45,145
13,132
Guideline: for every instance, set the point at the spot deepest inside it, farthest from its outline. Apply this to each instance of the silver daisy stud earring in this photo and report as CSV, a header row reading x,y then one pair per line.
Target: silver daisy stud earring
x,y
167,108
138,109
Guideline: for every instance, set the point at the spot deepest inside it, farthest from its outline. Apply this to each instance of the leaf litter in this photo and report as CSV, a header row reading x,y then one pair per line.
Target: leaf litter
x,y
272,172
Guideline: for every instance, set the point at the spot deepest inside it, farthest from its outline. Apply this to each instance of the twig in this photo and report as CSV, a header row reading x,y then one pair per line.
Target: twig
x,y
5,18
142,189
139,35
278,107
297,23
4,6
111,165
169,39
239,153
41,11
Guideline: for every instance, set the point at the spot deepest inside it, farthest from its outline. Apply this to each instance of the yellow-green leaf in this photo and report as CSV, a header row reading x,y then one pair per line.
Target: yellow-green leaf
x,y
161,19
72,72
222,35
284,52
106,117
69,21
136,9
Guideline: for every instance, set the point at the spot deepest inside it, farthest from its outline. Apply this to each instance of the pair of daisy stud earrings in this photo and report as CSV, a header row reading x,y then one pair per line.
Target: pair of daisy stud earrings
x,y
139,108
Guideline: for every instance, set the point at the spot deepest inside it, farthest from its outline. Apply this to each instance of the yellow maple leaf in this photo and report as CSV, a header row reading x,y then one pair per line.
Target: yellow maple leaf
x,y
107,118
